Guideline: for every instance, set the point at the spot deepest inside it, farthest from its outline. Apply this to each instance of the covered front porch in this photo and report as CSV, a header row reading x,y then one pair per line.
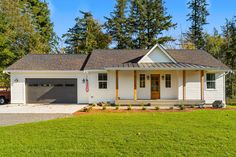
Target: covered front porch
x,y
159,87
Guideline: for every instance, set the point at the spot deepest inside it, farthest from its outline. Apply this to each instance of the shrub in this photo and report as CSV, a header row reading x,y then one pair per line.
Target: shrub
x,y
129,107
99,104
171,108
117,107
87,109
144,108
149,104
181,107
157,108
218,104
104,107
192,106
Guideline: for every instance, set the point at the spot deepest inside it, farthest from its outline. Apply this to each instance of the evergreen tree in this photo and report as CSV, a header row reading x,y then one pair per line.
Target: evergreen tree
x,y
116,25
40,16
86,35
158,21
137,24
229,54
198,18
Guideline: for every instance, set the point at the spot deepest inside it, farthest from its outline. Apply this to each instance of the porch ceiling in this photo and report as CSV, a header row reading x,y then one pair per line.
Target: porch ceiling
x,y
161,66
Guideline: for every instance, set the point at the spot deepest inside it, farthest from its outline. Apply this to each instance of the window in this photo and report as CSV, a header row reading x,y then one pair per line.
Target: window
x,y
211,81
102,81
168,80
142,80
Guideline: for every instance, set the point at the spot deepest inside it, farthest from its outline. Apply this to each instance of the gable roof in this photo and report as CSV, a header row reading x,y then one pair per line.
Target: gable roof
x,y
108,59
49,62
152,50
101,59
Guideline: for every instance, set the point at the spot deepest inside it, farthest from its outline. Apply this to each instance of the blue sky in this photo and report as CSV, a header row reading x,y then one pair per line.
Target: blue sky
x,y
63,13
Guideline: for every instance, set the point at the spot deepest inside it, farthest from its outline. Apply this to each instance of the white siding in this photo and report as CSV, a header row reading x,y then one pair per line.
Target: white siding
x,y
101,95
210,95
193,85
157,56
180,85
126,84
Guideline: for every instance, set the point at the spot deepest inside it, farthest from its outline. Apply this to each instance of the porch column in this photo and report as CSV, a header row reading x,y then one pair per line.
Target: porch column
x,y
135,85
117,84
202,84
184,84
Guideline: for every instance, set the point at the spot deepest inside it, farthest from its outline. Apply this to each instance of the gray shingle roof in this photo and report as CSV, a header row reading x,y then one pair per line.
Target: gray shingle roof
x,y
102,59
49,62
110,58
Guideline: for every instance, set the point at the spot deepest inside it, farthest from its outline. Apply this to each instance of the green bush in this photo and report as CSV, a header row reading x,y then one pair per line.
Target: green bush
x,y
129,107
144,108
192,106
104,107
157,108
87,109
218,104
117,107
181,107
100,104
171,108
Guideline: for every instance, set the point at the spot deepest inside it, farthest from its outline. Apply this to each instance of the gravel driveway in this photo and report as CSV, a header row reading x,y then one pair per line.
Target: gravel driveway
x,y
12,119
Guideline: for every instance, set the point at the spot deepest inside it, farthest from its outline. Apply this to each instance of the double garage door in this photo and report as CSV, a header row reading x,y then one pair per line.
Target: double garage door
x,y
51,91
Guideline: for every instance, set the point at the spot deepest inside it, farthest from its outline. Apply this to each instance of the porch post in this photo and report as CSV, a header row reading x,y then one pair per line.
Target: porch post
x,y
117,84
135,85
184,84
202,84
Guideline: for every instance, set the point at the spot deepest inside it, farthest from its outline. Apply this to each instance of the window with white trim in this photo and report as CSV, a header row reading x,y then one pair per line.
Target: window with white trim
x,y
211,81
168,80
142,80
102,81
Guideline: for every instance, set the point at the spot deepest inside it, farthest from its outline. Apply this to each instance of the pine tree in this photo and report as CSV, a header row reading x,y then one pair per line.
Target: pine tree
x,y
86,35
148,20
137,24
116,25
158,21
198,18
229,53
40,16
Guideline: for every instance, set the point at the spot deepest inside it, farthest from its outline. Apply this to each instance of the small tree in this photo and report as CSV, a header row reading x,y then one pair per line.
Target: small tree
x,y
86,35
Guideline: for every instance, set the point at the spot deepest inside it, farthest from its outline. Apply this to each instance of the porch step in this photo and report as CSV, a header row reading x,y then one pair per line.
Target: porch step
x,y
159,102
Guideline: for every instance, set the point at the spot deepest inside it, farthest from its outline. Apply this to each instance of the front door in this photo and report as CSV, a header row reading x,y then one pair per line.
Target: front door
x,y
155,86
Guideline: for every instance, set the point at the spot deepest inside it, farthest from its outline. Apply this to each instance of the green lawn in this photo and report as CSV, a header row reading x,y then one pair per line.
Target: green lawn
x,y
198,133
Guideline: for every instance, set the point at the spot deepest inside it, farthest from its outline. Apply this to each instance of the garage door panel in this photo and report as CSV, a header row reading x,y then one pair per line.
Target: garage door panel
x,y
51,90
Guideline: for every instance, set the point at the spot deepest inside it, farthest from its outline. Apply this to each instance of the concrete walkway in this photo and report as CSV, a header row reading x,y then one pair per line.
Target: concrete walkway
x,y
40,108
13,118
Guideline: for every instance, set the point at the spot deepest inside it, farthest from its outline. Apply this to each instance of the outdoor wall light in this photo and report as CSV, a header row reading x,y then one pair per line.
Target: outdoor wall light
x,y
148,77
83,80
162,77
16,80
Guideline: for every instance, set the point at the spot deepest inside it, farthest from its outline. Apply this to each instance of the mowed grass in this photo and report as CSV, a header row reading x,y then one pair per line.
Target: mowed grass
x,y
198,133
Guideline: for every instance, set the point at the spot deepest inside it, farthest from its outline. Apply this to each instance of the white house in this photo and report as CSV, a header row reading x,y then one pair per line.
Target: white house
x,y
119,76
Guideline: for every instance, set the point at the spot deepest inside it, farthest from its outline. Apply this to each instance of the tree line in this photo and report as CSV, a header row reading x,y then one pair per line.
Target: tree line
x,y
25,27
